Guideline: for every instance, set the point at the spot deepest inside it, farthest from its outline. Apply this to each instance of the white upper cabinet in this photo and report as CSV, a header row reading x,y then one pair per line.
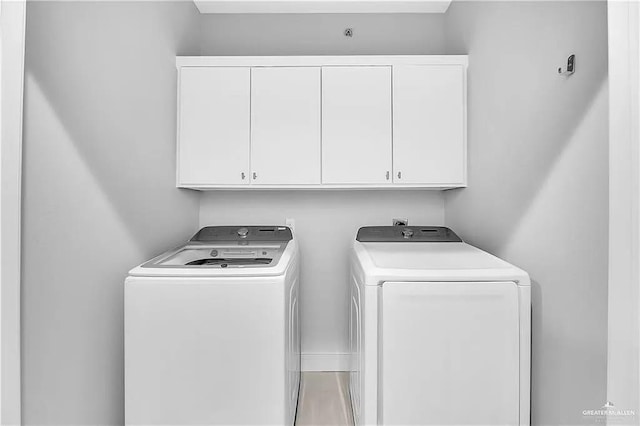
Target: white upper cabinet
x,y
429,124
356,125
285,125
322,122
213,126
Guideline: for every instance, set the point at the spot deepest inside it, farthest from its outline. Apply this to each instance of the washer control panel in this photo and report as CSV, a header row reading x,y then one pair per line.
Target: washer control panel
x,y
276,233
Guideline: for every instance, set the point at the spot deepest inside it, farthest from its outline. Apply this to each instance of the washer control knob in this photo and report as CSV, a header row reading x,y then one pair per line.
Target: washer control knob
x,y
243,232
407,233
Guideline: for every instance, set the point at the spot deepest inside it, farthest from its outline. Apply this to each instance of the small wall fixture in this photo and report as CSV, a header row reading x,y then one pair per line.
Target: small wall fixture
x,y
348,32
571,66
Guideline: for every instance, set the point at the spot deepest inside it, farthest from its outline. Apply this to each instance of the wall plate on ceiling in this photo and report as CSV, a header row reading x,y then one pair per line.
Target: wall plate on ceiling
x,y
322,6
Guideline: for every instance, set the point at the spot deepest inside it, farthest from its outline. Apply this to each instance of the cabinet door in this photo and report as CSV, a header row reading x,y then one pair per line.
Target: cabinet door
x,y
214,126
356,125
285,125
429,124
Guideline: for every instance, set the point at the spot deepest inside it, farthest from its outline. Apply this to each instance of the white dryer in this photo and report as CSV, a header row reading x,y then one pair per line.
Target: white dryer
x,y
440,331
212,332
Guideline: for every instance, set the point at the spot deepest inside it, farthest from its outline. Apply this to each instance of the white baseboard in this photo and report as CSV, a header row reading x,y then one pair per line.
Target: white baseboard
x,y
325,361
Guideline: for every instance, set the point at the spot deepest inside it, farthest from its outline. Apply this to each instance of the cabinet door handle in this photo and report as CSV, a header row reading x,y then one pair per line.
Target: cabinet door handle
x,y
387,174
242,175
255,176
399,175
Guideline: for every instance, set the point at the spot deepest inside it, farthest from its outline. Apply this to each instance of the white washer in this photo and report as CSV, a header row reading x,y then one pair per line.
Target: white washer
x,y
440,331
212,332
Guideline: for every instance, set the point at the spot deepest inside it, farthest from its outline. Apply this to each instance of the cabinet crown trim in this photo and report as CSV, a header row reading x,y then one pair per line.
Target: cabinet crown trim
x,y
319,61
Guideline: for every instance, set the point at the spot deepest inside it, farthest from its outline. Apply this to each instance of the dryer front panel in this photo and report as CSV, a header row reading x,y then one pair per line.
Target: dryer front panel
x,y
449,353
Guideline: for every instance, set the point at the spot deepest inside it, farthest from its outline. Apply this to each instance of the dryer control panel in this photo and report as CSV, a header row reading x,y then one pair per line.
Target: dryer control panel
x,y
403,234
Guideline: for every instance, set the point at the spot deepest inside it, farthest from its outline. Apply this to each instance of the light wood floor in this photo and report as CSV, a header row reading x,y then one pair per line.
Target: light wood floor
x,y
324,399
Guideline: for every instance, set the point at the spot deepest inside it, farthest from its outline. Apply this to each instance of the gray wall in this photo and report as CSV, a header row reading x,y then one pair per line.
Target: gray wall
x,y
326,221
538,173
99,191
326,224
322,34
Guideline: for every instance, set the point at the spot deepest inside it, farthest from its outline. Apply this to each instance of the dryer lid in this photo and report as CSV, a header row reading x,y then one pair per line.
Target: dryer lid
x,y
431,257
432,261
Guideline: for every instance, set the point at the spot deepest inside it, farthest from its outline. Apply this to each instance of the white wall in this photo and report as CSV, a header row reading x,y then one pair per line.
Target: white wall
x,y
12,42
326,225
326,221
538,183
99,191
623,366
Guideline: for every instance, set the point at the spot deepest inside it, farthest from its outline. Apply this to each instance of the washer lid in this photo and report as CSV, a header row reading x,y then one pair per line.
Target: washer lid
x,y
221,255
225,251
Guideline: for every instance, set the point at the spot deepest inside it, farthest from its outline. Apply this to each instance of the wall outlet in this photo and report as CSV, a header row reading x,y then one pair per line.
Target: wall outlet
x,y
400,222
291,223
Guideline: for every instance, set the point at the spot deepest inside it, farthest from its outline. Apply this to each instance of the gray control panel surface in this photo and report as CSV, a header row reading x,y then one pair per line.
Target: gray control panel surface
x,y
403,234
211,234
